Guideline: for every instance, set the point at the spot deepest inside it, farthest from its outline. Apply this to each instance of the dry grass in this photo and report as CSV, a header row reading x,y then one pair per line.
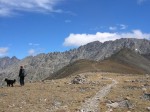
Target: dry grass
x,y
62,96
49,96
129,86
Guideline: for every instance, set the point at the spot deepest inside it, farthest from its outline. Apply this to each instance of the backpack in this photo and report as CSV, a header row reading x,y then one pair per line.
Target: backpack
x,y
23,73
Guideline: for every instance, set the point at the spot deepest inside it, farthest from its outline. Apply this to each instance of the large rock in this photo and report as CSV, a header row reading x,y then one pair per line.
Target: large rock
x,y
146,96
125,104
148,108
113,105
78,80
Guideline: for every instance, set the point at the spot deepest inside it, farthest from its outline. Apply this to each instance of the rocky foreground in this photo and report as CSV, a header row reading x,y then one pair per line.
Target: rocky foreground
x,y
130,94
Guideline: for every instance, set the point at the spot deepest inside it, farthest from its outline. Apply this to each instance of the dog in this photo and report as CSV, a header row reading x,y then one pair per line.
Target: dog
x,y
10,82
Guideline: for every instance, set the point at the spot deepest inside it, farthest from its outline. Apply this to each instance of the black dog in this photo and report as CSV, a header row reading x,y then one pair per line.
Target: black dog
x,y
10,82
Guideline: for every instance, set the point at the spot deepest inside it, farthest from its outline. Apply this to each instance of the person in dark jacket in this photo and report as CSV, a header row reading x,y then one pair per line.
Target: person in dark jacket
x,y
21,75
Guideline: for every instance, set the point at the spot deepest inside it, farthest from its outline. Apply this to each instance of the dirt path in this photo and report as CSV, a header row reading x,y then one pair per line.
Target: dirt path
x,y
91,105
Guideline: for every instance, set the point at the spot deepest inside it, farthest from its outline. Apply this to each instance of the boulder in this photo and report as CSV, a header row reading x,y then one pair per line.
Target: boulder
x,y
78,80
113,105
148,108
125,104
146,96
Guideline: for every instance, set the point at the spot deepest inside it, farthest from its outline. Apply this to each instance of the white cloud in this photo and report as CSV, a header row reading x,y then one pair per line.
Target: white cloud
x,y
82,39
11,7
33,44
3,51
4,12
35,51
118,26
123,27
140,1
112,28
32,52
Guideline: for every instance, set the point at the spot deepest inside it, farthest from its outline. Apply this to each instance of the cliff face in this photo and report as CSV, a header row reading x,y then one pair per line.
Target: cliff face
x,y
41,66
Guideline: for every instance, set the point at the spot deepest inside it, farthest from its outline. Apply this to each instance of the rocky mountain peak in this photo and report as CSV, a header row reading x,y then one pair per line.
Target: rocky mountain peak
x,y
43,65
5,62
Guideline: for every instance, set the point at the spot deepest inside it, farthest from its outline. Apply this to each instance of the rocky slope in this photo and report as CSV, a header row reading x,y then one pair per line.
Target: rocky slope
x,y
5,62
41,66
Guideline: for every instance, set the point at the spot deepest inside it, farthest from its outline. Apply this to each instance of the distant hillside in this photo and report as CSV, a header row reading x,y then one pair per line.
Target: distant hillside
x,y
132,59
76,67
125,61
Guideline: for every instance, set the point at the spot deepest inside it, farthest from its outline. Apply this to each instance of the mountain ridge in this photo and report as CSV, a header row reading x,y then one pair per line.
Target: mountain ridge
x,y
7,61
124,61
43,65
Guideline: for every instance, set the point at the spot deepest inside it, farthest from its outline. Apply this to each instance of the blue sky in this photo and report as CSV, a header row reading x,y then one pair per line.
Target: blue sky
x,y
30,27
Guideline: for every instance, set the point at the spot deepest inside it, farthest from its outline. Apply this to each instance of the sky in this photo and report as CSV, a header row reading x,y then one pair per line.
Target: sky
x,y
30,27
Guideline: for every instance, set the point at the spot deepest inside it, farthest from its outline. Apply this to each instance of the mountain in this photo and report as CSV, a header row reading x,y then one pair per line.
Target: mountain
x,y
5,62
43,65
124,61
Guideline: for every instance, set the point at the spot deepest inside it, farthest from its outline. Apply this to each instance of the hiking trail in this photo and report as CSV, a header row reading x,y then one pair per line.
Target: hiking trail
x,y
92,104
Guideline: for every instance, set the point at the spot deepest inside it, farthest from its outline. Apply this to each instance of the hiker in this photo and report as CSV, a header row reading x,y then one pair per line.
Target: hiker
x,y
22,75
